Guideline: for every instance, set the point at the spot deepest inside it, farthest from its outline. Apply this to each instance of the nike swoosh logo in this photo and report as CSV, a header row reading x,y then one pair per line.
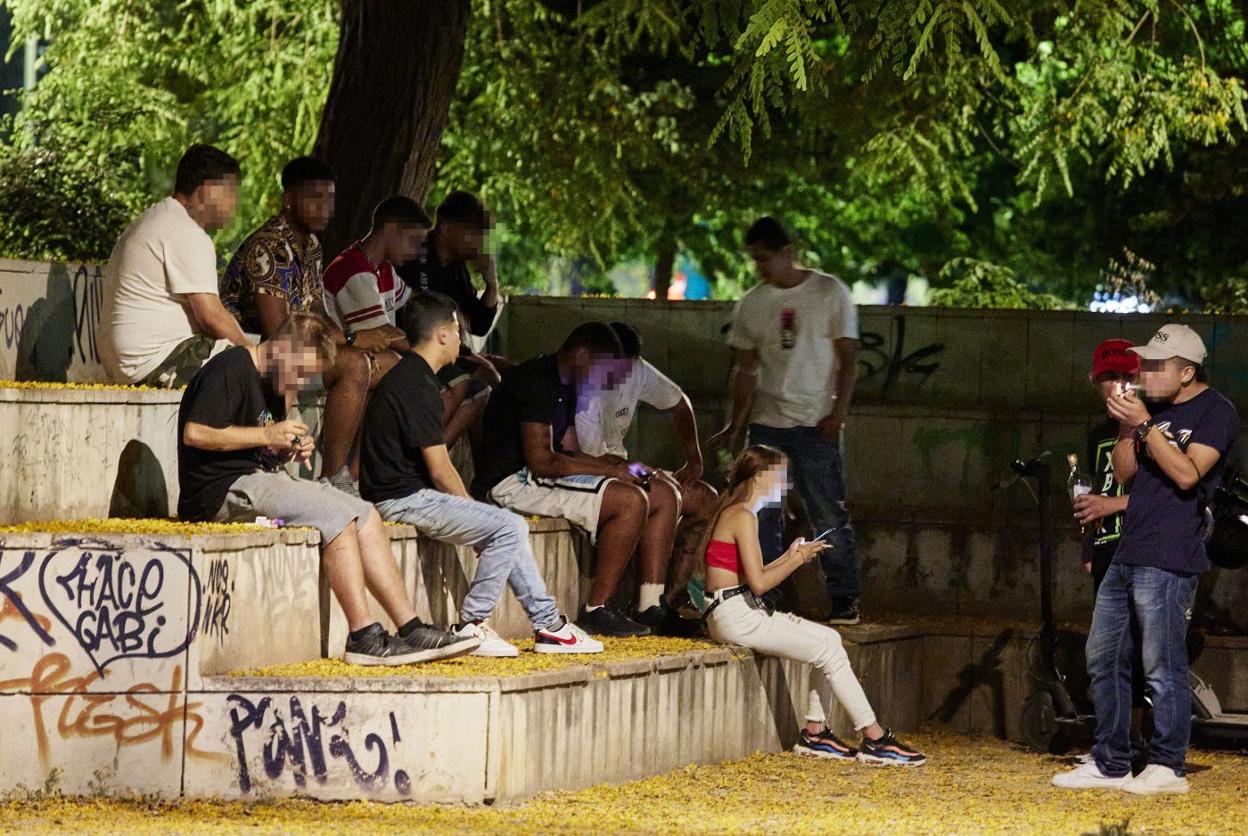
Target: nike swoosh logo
x,y
552,637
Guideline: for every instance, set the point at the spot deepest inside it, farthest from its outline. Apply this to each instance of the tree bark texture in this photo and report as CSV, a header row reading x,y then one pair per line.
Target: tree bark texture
x,y
395,72
664,263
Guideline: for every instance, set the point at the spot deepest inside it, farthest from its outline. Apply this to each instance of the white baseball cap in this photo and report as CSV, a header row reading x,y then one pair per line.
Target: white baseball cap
x,y
1173,340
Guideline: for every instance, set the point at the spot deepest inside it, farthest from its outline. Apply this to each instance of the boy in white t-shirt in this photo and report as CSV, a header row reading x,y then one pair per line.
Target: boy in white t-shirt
x,y
604,413
162,316
796,341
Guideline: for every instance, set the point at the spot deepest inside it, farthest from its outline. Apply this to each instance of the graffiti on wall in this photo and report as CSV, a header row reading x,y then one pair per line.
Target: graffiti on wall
x,y
55,312
882,364
116,604
295,743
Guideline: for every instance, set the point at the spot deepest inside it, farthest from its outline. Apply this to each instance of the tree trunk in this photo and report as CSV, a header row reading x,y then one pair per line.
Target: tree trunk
x,y
664,263
397,66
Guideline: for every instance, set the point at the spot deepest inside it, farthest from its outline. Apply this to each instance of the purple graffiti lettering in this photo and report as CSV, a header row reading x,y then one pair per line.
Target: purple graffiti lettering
x,y
11,604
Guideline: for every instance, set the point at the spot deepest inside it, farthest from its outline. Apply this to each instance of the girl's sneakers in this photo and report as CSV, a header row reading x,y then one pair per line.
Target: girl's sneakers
x,y
889,751
823,745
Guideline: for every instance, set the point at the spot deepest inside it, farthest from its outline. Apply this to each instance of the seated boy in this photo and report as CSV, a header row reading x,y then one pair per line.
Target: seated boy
x,y
604,414
232,444
162,318
406,470
531,468
362,294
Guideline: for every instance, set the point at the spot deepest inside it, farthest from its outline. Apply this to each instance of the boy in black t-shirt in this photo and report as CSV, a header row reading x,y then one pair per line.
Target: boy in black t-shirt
x,y
1171,450
406,470
233,439
531,469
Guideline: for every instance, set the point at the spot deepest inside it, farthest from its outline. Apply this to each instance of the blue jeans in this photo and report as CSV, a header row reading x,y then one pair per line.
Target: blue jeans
x,y
817,473
501,538
1161,601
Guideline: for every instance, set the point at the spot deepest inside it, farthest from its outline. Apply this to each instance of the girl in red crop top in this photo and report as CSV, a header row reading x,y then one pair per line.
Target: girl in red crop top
x,y
736,576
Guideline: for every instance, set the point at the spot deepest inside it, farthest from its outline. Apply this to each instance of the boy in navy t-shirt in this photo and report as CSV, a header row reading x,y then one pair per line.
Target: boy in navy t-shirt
x,y
1171,450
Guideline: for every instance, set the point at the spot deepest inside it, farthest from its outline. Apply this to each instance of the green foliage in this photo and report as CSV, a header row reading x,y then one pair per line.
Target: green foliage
x,y
980,284
129,87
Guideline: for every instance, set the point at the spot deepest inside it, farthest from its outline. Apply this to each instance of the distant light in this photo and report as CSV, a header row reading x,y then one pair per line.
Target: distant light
x,y
1104,302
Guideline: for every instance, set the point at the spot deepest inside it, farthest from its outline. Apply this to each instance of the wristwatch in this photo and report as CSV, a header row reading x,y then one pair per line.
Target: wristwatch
x,y
1141,432
350,337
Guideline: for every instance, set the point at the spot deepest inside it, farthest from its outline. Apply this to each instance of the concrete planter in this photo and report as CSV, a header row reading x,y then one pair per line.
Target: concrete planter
x,y
73,453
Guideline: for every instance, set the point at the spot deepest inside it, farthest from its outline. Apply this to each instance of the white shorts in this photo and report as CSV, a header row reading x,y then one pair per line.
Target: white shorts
x,y
577,499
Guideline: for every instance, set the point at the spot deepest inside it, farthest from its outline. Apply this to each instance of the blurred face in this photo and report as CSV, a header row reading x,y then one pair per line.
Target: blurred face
x,y
402,243
297,368
463,242
216,201
311,204
772,484
1161,380
770,263
593,369
1106,383
613,372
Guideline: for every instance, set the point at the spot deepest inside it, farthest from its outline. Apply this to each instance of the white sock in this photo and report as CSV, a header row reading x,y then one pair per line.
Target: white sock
x,y
649,596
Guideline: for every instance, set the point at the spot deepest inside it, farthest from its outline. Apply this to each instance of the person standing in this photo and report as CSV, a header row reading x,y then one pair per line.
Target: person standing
x,y
162,316
1171,451
796,341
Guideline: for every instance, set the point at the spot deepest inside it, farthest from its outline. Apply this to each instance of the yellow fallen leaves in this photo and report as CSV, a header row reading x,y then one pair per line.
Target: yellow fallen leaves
x,y
528,662
92,525
88,387
971,785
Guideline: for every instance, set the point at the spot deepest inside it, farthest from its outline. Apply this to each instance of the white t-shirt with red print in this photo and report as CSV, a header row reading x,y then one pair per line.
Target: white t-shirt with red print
x,y
794,330
359,295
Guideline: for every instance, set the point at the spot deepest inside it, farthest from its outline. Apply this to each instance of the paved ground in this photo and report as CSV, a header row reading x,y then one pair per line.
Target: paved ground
x,y
972,785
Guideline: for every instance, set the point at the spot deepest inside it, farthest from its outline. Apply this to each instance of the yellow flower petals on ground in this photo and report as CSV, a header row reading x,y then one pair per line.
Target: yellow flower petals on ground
x,y
528,662
971,785
125,526
89,387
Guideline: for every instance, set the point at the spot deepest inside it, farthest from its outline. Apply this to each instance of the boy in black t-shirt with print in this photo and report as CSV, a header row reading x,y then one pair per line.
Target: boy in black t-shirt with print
x,y
232,442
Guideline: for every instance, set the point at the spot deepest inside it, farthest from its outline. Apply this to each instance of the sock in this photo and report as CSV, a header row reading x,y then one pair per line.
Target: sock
x,y
650,595
410,627
356,635
592,607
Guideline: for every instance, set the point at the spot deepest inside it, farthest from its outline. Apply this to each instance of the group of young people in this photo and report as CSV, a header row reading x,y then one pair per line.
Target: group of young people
x,y
382,330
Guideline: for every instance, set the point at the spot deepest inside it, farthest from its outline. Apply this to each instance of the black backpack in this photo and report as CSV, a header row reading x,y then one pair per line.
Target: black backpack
x,y
1227,547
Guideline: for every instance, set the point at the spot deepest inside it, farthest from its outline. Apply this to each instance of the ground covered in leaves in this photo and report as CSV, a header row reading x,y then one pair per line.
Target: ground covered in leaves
x,y
971,785
528,662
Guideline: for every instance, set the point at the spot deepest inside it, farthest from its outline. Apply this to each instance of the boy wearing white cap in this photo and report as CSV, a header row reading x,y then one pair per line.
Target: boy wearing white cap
x,y
1171,448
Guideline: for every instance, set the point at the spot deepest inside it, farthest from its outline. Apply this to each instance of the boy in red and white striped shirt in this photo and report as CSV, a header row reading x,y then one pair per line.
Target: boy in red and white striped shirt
x,y
362,294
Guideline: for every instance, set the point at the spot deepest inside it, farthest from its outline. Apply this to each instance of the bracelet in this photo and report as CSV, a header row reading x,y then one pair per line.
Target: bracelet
x,y
350,337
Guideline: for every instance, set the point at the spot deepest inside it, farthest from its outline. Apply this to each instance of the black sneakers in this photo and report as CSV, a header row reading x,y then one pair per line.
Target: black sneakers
x,y
889,751
844,611
665,620
824,745
605,621
423,644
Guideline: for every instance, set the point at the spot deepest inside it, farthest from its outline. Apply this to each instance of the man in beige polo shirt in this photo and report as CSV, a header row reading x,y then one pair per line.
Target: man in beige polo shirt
x,y
163,317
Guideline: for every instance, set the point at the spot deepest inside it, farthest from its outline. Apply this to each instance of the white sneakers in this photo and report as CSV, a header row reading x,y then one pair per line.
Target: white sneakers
x,y
1088,776
1154,780
491,643
1157,780
567,639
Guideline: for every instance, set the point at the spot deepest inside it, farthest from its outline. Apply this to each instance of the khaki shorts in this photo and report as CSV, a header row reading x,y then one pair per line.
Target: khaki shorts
x,y
577,499
184,362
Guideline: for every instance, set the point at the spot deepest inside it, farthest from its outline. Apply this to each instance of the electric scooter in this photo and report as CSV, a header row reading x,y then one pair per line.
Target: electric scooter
x,y
1227,549
1050,718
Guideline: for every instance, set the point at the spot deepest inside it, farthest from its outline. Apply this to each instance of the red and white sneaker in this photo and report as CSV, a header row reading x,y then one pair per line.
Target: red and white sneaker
x,y
566,639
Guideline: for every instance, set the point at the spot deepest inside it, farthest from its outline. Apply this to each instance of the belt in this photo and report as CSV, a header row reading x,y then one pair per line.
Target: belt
x,y
721,595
